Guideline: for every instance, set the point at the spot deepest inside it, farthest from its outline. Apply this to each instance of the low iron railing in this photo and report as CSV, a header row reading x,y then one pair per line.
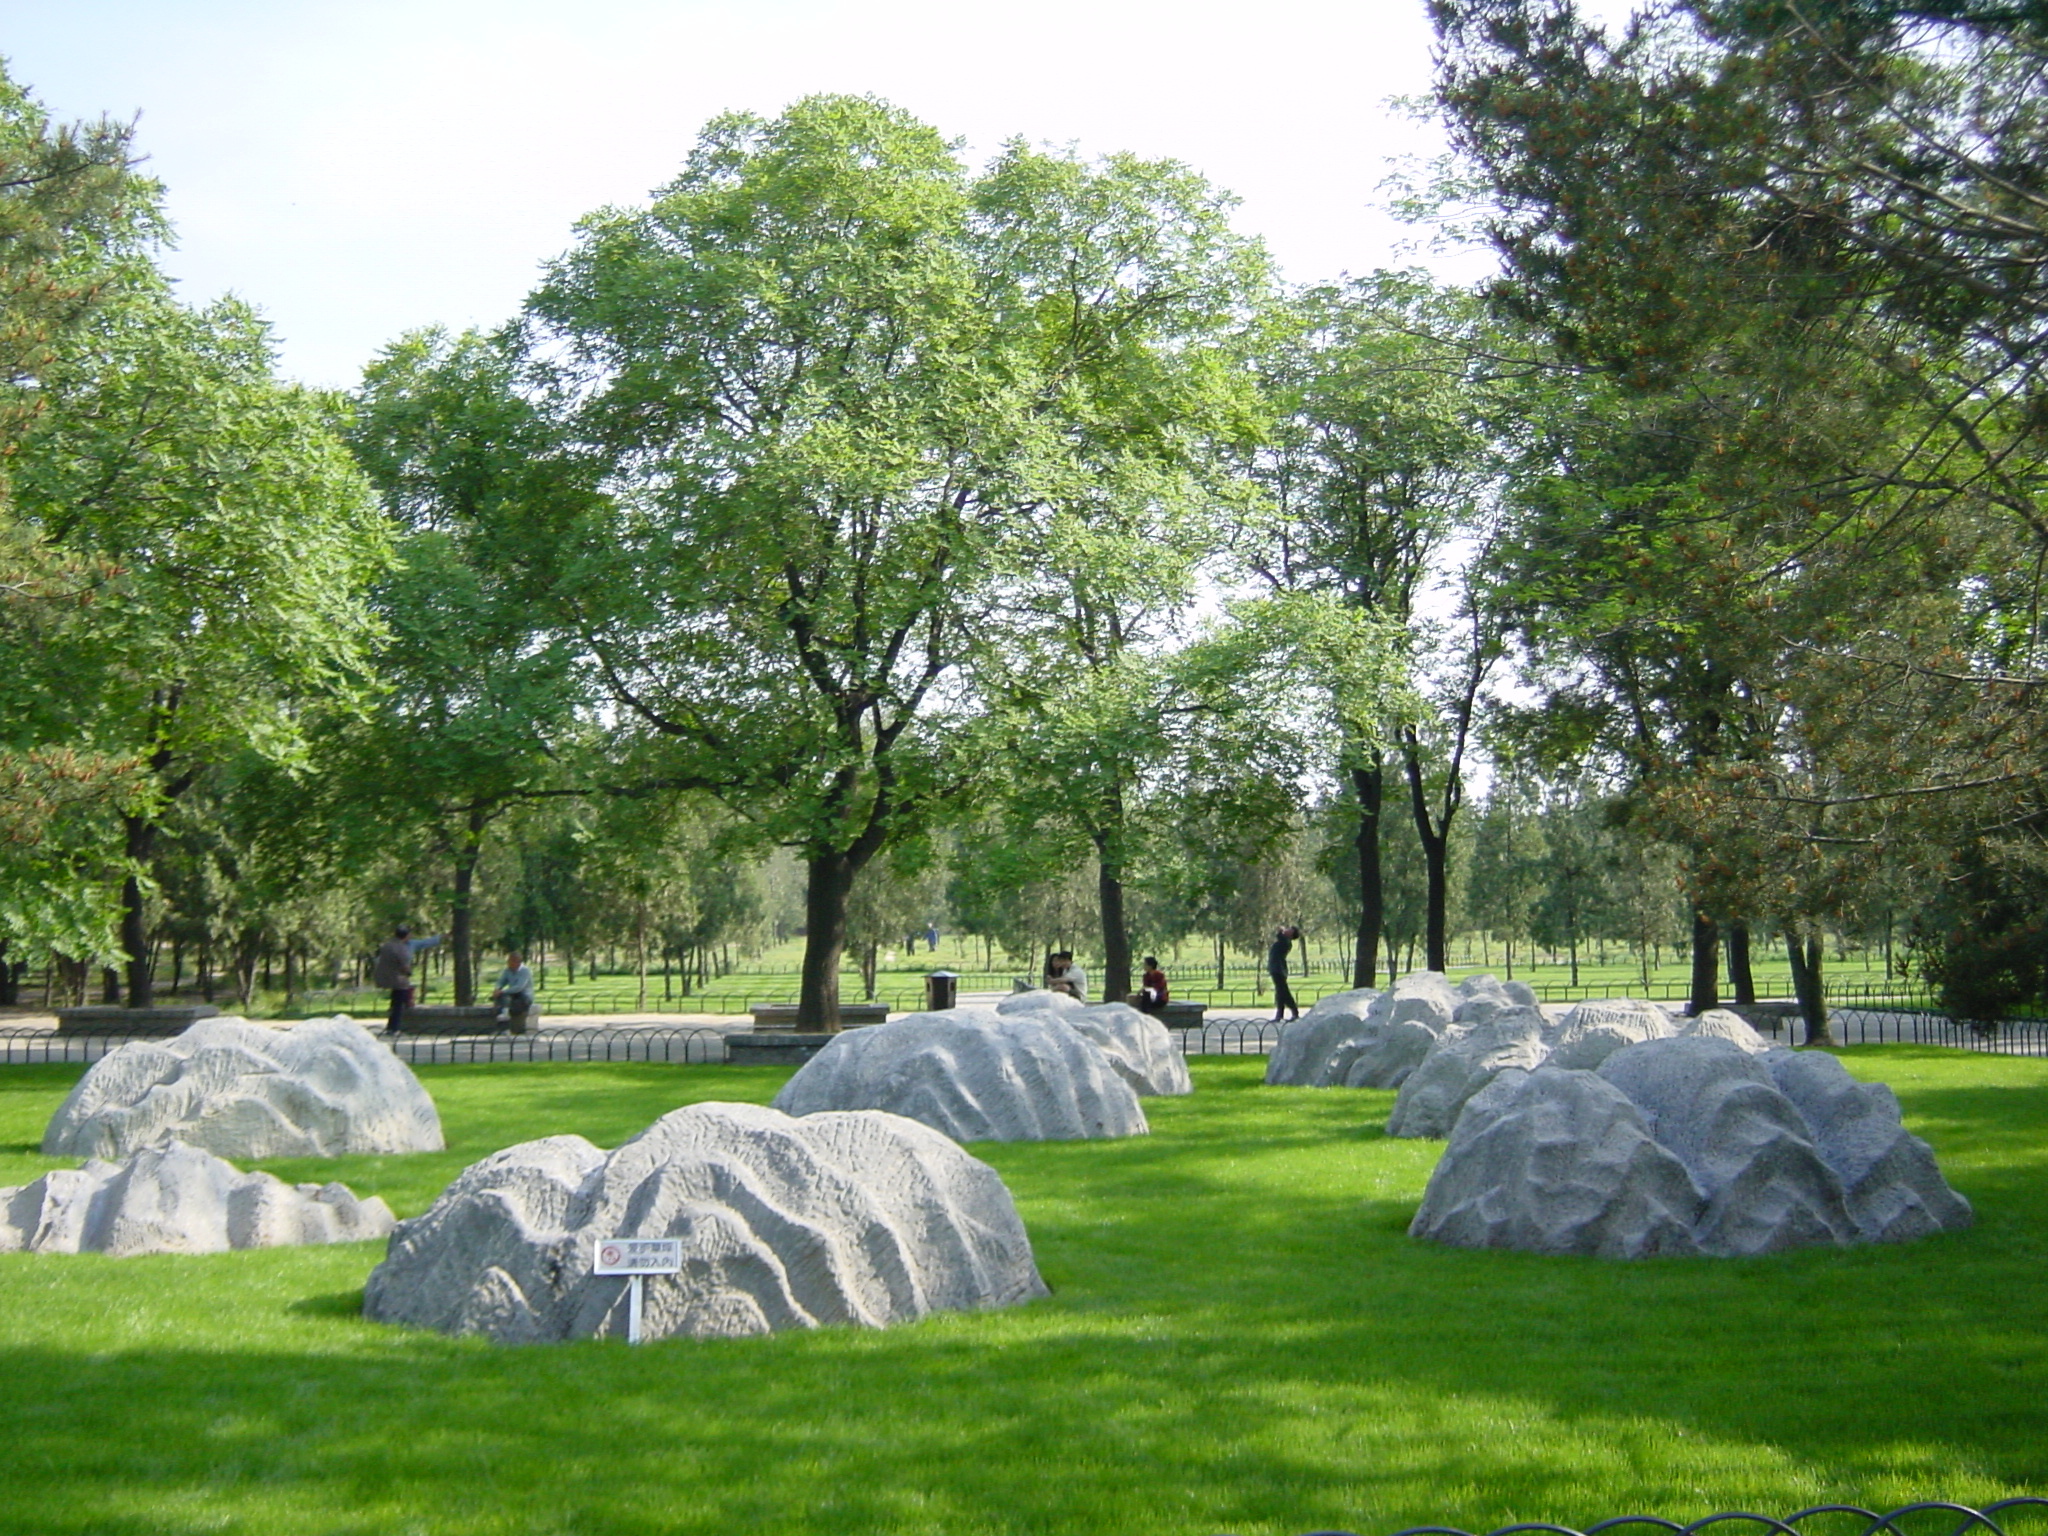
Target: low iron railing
x,y
1933,1517
26,1046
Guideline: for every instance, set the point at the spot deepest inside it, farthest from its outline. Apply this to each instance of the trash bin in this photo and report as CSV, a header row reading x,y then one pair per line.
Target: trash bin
x,y
941,990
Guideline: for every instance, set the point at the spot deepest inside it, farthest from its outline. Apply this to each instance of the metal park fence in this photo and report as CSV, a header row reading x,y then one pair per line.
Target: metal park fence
x,y
698,1045
1869,1021
1931,1518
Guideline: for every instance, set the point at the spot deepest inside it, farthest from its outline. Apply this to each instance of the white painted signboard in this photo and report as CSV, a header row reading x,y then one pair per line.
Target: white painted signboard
x,y
637,1258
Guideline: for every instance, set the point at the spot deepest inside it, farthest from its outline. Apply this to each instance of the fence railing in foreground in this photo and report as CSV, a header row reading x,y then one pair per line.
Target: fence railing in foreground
x,y
1931,1518
683,1045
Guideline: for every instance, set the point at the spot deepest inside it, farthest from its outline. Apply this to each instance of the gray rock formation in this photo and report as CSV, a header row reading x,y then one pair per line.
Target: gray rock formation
x,y
1140,1048
1365,1039
975,1075
1305,1054
318,1089
1678,1145
862,1218
1724,1025
1893,1188
1591,1032
1557,1161
175,1198
1494,1030
1465,1058
1715,1108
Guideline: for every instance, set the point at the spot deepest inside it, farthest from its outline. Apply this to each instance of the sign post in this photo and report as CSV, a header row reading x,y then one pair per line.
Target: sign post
x,y
636,1258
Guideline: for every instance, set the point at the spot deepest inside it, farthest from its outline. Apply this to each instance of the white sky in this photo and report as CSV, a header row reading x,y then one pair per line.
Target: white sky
x,y
359,167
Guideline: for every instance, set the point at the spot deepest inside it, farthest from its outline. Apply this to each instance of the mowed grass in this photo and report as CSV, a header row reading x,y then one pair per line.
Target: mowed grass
x,y
1241,1337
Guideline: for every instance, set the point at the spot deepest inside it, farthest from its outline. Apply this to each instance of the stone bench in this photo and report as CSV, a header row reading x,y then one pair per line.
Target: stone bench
x,y
1182,1015
113,1019
780,1018
473,1019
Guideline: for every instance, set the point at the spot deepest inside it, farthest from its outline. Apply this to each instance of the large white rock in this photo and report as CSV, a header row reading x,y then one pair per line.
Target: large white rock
x,y
785,1222
974,1074
1722,1024
1365,1039
1499,1025
1895,1191
1400,1028
1140,1048
1305,1054
1558,1162
1592,1032
1464,1059
1776,1151
175,1198
319,1089
1716,1109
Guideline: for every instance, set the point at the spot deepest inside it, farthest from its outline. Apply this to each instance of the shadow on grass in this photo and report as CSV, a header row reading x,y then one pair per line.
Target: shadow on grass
x,y
336,1304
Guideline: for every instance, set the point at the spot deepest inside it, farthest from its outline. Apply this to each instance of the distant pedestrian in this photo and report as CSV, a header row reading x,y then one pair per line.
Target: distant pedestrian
x,y
514,992
393,972
1152,995
931,938
1284,1005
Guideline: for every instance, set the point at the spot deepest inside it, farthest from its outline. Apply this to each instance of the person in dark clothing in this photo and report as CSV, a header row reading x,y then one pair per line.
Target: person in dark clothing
x,y
1284,1005
393,972
1152,995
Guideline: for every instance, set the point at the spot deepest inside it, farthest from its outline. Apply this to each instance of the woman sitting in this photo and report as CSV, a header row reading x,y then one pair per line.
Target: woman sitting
x,y
1152,995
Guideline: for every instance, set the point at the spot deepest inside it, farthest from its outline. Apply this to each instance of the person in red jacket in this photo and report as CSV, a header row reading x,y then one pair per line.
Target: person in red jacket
x,y
1152,994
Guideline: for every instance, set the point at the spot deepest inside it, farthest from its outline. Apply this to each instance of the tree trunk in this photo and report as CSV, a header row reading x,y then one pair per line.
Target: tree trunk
x,y
1435,835
1806,956
1370,785
139,840
1574,942
825,891
1705,991
1740,976
460,924
1116,937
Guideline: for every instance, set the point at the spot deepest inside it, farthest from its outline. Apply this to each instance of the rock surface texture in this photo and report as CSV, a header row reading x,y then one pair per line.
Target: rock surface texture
x,y
1464,1059
1140,1048
785,1222
1494,1030
319,1089
1368,1039
175,1198
974,1074
1683,1145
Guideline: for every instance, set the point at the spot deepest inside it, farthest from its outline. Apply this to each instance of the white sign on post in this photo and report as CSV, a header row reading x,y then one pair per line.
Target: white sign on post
x,y
637,1258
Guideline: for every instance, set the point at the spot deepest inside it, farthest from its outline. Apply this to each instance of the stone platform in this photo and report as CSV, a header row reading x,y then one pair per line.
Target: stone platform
x,y
476,1019
113,1019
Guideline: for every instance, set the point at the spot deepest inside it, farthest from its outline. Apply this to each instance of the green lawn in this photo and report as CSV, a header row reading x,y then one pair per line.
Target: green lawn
x,y
1240,1338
